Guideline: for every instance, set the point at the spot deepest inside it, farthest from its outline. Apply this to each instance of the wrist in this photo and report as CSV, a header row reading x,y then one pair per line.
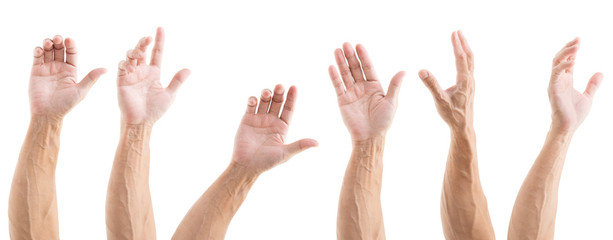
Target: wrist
x,y
462,130
560,133
367,140
241,171
55,120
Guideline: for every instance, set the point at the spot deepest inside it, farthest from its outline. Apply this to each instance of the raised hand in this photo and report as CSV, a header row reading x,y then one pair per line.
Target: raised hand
x,y
142,98
569,106
53,81
367,111
260,140
455,104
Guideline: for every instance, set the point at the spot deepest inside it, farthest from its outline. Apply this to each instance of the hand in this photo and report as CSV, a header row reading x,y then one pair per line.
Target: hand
x,y
142,99
455,105
367,111
569,107
53,87
260,140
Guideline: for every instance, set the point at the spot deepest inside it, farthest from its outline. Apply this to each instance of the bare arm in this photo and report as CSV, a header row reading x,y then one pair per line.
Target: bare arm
x,y
53,93
464,211
259,146
367,112
535,208
142,100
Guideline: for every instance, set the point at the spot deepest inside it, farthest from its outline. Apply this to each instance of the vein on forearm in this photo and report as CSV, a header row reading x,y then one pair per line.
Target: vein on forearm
x,y
210,216
536,205
129,209
464,209
33,202
359,213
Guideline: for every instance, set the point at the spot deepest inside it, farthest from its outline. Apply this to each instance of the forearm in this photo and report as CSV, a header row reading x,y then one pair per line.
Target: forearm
x,y
535,208
33,203
464,209
210,216
359,211
129,213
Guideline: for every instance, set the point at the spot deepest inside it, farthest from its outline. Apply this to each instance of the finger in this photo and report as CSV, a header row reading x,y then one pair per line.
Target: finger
x,y
264,101
566,54
467,51
564,67
141,50
124,68
158,48
394,88
136,57
299,146
336,81
71,52
130,58
431,83
593,84
48,49
38,56
288,108
369,69
178,80
252,104
277,100
58,48
573,42
354,64
89,80
461,60
343,68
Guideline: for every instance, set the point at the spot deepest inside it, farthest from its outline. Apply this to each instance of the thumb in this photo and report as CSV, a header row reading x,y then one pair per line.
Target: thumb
x,y
593,84
178,80
299,146
89,80
430,82
394,88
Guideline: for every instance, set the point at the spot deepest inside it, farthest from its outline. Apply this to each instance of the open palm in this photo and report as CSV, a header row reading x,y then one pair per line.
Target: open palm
x,y
53,82
366,110
142,98
260,140
569,106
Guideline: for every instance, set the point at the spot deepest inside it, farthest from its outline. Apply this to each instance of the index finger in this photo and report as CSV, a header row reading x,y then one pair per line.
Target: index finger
x,y
158,48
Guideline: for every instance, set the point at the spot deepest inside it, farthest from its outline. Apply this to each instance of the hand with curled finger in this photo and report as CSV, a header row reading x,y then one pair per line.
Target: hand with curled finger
x,y
54,89
142,98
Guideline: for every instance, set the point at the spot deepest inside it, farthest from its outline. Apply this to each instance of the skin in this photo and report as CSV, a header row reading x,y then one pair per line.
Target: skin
x,y
53,93
142,101
259,145
464,211
368,113
535,208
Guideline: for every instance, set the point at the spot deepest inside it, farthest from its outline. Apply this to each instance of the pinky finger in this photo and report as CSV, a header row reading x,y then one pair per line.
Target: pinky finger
x,y
38,56
593,84
252,104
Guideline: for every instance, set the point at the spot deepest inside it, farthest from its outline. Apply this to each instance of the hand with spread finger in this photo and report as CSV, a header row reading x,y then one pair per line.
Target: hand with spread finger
x,y
142,100
464,210
534,212
368,113
259,145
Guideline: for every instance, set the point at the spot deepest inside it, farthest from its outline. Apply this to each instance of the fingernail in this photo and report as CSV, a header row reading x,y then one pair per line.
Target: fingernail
x,y
423,74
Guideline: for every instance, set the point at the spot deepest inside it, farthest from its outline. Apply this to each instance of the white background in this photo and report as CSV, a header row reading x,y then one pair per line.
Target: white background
x,y
237,48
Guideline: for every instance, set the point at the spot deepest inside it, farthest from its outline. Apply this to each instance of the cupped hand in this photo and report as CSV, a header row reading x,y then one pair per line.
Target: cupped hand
x,y
569,106
53,81
455,104
366,109
260,141
142,98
